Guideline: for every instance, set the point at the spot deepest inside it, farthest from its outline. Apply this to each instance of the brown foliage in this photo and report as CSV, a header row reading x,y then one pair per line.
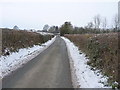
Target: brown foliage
x,y
102,50
16,39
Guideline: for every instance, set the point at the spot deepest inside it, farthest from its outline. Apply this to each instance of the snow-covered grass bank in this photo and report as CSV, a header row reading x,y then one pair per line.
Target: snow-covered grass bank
x,y
16,59
82,75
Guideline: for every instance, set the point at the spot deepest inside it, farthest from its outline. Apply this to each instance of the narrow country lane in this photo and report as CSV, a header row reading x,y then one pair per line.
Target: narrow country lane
x,y
50,69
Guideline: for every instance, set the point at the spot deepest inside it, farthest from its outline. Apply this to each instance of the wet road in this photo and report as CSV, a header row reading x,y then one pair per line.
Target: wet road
x,y
50,69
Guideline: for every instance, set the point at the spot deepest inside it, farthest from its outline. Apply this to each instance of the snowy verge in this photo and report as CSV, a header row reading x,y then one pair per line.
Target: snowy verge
x,y
16,60
81,73
45,33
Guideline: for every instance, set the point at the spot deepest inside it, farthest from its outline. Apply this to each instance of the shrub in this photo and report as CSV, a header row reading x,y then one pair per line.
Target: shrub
x,y
13,40
102,49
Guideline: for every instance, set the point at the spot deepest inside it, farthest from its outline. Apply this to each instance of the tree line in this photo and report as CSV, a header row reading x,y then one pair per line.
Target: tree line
x,y
98,25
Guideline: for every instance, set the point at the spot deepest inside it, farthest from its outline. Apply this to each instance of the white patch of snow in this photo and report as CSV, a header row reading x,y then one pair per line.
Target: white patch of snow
x,y
15,60
82,75
45,33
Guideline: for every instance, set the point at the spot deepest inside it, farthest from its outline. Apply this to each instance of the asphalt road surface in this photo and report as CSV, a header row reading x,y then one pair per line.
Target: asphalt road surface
x,y
50,69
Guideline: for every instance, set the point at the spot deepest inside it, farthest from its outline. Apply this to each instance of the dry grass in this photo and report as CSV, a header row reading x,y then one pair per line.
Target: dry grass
x,y
13,40
102,50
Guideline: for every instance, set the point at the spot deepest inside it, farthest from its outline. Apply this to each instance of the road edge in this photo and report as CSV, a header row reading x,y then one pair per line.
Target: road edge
x,y
72,69
30,57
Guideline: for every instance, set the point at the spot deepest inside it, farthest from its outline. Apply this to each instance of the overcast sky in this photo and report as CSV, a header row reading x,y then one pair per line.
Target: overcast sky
x,y
34,14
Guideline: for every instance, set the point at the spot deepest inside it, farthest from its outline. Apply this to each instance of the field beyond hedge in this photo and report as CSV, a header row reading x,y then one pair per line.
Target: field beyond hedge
x,y
102,50
13,40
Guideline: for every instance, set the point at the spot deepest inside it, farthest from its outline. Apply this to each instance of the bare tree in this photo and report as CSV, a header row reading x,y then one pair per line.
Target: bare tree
x,y
90,25
104,23
97,21
116,22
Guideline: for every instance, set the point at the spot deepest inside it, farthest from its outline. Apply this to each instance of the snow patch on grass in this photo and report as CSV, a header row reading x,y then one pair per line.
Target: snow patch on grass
x,y
45,33
15,60
82,75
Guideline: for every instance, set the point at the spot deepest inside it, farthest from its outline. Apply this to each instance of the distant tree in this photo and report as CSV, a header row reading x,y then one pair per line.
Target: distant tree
x,y
15,27
97,21
75,30
56,29
52,29
116,22
90,25
46,27
66,28
104,23
81,30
